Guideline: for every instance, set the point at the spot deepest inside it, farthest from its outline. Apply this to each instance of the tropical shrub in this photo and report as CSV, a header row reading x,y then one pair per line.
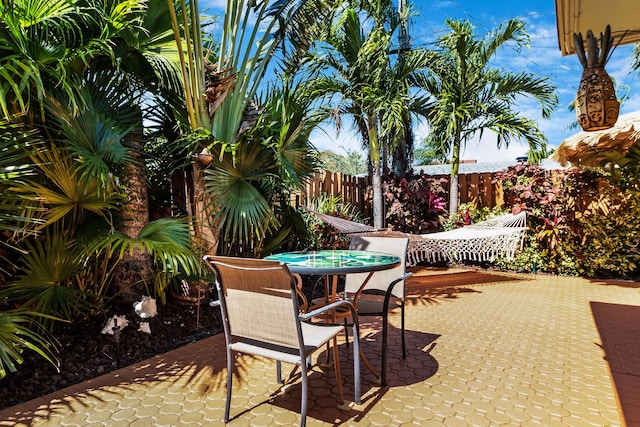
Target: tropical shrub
x,y
582,221
550,202
611,233
415,203
20,328
17,333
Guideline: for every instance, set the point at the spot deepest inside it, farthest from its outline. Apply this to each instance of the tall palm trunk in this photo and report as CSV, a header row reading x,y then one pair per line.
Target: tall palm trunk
x,y
376,182
135,268
403,154
376,179
455,167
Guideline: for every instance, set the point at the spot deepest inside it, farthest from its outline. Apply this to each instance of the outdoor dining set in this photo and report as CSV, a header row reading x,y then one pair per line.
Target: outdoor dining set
x,y
266,313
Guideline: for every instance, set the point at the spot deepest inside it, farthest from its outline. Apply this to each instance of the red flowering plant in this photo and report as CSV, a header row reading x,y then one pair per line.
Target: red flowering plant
x,y
415,203
555,201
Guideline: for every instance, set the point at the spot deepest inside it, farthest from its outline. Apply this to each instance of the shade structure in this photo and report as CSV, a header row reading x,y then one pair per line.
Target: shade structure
x,y
590,148
578,16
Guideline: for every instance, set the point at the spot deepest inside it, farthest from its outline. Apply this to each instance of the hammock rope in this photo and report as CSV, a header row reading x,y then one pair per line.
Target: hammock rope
x,y
482,241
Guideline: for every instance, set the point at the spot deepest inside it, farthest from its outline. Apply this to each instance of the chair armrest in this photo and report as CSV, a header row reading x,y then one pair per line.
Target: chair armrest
x,y
387,296
302,298
329,307
398,280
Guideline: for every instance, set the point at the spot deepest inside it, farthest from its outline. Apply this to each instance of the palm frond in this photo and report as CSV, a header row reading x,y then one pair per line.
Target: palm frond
x,y
238,191
68,194
167,240
45,283
16,334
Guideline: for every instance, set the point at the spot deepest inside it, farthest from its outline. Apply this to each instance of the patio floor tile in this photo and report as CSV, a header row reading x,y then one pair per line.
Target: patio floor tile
x,y
484,349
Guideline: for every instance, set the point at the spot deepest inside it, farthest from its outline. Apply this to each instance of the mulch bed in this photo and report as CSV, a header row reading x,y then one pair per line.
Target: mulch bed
x,y
86,353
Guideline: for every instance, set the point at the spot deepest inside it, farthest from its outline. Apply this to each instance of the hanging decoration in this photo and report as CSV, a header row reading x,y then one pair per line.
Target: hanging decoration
x,y
597,106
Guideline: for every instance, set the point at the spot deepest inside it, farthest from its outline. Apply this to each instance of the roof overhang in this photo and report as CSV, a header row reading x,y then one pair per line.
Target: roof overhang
x,y
578,16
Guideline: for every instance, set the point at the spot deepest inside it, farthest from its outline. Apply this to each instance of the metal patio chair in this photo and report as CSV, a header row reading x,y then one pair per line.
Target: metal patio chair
x,y
261,316
387,287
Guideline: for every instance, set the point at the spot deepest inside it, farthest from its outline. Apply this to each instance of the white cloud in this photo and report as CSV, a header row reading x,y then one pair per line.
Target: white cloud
x,y
326,138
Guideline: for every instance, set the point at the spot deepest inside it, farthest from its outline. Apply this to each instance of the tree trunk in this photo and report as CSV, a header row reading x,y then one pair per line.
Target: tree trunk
x,y
453,185
134,270
403,154
376,172
205,229
378,205
453,195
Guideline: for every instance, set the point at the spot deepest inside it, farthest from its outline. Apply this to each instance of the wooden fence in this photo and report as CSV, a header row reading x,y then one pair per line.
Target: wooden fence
x,y
355,190
476,188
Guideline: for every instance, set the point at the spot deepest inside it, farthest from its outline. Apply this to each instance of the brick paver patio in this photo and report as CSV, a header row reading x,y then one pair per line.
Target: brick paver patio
x,y
484,349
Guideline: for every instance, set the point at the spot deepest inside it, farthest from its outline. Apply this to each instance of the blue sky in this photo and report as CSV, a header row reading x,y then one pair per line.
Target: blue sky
x,y
542,58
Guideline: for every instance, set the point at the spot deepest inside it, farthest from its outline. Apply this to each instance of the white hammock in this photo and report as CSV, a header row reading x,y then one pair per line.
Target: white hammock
x,y
483,241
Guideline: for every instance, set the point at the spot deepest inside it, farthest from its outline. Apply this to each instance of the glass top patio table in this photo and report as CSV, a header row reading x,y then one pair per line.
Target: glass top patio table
x,y
335,262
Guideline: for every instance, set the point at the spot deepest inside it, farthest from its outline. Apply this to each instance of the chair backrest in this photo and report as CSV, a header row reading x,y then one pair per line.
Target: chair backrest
x,y
380,279
258,300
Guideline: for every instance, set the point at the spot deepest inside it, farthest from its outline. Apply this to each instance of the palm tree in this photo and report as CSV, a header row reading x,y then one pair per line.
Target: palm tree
x,y
356,70
273,158
17,330
147,61
86,115
469,96
42,44
233,75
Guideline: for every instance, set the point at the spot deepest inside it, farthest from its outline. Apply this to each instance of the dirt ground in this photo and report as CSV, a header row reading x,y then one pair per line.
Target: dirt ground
x,y
86,353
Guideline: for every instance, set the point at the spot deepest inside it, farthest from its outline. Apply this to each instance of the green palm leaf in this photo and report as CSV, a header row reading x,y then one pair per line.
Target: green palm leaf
x,y
69,194
42,41
16,211
167,240
16,335
240,193
45,283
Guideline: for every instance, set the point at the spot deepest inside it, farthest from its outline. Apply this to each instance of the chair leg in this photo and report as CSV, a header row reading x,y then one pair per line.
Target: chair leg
x,y
356,363
305,397
227,407
336,365
404,347
346,331
383,368
279,372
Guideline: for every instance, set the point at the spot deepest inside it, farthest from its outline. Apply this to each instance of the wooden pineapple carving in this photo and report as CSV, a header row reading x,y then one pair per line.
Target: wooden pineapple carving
x,y
597,106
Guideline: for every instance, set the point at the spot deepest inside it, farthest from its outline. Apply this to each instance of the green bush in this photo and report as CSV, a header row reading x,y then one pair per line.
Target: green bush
x,y
612,235
582,222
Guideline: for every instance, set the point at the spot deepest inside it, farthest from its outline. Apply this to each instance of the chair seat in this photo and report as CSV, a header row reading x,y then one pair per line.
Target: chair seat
x,y
315,336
